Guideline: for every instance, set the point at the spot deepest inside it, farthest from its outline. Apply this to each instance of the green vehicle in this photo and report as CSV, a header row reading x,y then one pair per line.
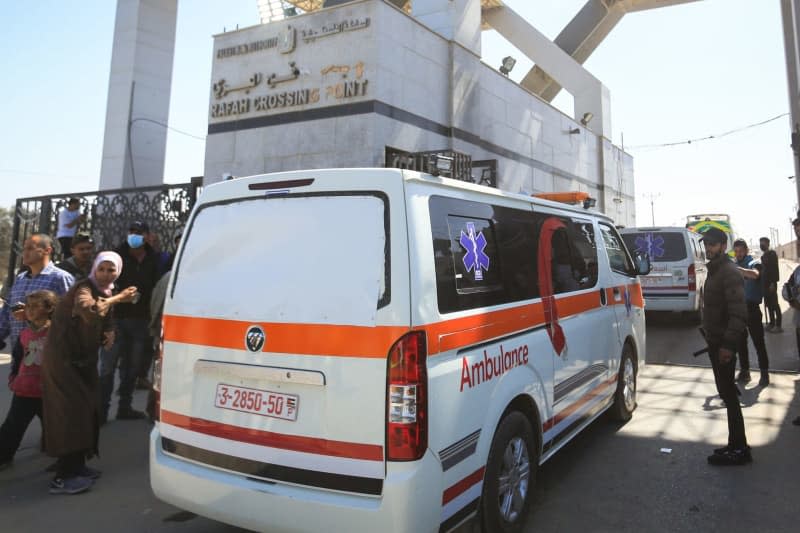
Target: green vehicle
x,y
702,222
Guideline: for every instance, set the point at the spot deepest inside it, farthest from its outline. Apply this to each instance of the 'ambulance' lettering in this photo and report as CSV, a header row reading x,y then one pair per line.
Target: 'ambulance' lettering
x,y
490,367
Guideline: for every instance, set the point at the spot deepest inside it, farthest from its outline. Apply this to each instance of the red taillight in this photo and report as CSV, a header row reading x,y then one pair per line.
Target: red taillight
x,y
692,278
407,399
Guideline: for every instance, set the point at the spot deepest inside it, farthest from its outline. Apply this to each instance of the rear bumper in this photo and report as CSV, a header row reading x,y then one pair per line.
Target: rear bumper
x,y
688,302
411,499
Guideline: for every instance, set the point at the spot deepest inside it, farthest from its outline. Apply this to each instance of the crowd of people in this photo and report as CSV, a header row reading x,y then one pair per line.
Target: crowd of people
x,y
70,326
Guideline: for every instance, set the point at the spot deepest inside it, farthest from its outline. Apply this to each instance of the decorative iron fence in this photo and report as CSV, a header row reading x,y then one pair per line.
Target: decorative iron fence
x,y
463,167
108,214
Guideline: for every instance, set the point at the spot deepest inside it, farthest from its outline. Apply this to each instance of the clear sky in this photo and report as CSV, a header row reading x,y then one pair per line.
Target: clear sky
x,y
674,74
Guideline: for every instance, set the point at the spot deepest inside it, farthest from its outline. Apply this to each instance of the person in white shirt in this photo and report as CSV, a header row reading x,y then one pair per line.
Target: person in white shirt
x,y
68,221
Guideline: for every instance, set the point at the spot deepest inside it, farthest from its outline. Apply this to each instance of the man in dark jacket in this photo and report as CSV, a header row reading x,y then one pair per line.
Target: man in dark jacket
x,y
770,278
724,320
133,343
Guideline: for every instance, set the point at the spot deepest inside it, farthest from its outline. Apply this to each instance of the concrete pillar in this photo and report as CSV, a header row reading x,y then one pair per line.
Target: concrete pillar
x,y
456,20
138,94
590,96
790,11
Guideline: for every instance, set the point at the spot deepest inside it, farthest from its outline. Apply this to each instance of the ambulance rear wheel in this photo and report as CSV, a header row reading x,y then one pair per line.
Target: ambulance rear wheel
x,y
510,476
625,395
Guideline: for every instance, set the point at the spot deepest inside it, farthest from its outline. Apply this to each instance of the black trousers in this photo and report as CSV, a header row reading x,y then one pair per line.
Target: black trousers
x,y
19,417
70,465
723,377
797,338
66,245
756,329
774,314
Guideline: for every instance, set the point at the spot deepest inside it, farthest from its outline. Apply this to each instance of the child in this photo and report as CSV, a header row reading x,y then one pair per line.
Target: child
x,y
25,377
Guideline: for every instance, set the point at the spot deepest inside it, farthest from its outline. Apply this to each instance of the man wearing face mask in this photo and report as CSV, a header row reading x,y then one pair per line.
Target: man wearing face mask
x,y
769,263
132,344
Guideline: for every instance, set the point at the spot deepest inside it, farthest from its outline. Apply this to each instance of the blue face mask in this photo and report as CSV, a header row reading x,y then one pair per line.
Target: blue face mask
x,y
135,241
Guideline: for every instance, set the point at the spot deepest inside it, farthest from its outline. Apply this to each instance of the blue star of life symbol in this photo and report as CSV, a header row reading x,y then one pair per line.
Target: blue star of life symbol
x,y
651,244
475,258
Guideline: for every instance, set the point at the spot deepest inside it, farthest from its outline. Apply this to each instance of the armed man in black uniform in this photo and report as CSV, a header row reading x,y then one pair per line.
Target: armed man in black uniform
x,y
724,322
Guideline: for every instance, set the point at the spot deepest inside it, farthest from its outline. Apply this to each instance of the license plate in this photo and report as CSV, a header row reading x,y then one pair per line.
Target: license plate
x,y
257,402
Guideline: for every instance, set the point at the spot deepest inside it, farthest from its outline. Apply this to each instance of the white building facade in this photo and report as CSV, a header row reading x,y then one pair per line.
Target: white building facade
x,y
347,85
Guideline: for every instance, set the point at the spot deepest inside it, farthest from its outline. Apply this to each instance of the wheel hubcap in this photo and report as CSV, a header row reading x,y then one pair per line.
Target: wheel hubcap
x,y
629,385
513,481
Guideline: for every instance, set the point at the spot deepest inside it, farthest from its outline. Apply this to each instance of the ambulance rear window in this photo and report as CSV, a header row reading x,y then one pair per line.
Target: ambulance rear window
x,y
662,246
312,258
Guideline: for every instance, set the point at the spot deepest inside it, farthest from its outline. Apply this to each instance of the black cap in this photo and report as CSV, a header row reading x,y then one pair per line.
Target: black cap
x,y
139,227
740,242
714,236
82,237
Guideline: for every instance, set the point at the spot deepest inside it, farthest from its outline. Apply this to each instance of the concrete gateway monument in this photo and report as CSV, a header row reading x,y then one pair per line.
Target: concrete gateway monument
x,y
338,83
340,86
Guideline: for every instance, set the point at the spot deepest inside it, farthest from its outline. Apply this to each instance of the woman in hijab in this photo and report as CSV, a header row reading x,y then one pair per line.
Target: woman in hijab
x,y
81,323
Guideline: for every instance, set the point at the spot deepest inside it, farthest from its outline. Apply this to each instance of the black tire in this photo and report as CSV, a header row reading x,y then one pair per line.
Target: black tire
x,y
510,476
625,395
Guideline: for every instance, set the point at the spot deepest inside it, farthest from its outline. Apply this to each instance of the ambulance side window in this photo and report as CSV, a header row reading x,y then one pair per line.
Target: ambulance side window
x,y
618,257
582,237
484,254
572,254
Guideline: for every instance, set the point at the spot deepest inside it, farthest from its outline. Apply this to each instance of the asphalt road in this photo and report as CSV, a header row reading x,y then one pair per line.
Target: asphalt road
x,y
610,478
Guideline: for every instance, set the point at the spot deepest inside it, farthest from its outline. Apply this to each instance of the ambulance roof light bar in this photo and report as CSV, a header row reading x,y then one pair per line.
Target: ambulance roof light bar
x,y
574,197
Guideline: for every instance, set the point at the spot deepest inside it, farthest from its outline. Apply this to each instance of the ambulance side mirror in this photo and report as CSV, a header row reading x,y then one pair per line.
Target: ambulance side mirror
x,y
643,265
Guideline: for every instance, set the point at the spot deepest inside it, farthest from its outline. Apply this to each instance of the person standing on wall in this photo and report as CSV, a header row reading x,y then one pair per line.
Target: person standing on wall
x,y
724,322
751,272
770,277
68,221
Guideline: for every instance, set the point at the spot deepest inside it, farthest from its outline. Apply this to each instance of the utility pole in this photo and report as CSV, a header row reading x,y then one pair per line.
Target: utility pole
x,y
652,196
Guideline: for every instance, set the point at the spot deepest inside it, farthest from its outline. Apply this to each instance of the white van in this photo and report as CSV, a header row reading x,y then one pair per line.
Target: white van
x,y
383,350
679,270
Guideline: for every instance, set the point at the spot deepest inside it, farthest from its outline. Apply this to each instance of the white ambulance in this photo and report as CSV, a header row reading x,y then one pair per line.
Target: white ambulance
x,y
382,350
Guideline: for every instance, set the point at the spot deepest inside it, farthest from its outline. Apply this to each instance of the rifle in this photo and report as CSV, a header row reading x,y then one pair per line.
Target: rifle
x,y
704,350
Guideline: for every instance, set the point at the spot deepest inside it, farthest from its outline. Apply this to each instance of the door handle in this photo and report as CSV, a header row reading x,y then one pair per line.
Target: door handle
x,y
603,297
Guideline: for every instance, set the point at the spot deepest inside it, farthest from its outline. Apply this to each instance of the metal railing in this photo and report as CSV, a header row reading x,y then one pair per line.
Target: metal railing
x,y
108,214
463,167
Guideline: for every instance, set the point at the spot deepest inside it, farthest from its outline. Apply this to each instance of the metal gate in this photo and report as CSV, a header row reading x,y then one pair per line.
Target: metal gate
x,y
165,208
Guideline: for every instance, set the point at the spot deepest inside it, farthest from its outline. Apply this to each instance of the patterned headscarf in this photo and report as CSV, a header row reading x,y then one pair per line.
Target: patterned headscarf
x,y
111,257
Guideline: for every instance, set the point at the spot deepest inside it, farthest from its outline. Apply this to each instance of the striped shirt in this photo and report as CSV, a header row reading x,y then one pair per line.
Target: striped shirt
x,y
50,278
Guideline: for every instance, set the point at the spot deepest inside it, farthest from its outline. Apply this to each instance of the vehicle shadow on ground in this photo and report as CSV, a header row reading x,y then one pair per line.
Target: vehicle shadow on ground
x,y
651,474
